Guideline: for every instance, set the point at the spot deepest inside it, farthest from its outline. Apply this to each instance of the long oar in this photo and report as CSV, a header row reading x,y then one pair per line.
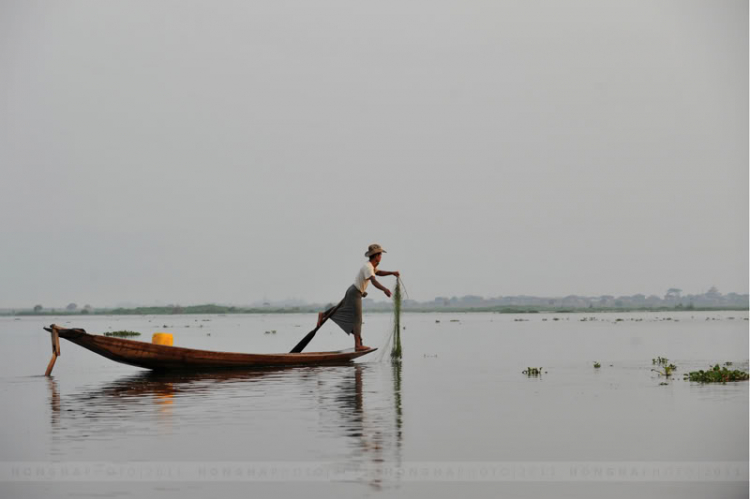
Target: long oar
x,y
302,344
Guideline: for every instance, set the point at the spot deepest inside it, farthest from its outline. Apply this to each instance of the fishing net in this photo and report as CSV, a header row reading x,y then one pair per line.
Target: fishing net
x,y
394,336
396,350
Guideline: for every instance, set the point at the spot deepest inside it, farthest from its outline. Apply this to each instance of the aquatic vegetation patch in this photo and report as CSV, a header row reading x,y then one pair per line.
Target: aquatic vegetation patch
x,y
667,370
597,365
122,334
660,361
716,374
533,371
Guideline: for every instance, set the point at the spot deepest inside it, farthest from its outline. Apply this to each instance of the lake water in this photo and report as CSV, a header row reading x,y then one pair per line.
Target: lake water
x,y
455,417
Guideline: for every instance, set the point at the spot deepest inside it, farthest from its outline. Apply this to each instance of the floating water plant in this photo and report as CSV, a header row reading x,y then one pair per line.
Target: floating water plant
x,y
716,374
597,365
533,371
660,361
122,334
396,349
667,372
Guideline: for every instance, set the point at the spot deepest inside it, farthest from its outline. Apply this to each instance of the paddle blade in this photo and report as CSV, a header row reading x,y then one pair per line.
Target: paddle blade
x,y
303,343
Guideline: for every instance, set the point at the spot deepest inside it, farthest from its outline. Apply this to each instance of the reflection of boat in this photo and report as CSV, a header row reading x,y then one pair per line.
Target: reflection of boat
x,y
147,400
163,357
348,412
158,384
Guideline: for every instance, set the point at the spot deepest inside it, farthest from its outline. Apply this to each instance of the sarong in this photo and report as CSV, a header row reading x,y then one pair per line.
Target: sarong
x,y
349,313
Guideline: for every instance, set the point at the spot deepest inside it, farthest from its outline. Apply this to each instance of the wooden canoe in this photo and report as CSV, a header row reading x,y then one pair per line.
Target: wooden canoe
x,y
163,357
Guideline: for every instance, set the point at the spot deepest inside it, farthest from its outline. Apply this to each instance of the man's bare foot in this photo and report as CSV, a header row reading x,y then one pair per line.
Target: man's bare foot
x,y
320,319
358,346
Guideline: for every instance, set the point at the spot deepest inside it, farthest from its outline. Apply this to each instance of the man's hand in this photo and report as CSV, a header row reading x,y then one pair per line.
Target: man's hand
x,y
397,274
387,292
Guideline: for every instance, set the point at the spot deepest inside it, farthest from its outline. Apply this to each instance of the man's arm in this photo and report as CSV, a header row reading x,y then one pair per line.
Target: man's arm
x,y
380,286
383,273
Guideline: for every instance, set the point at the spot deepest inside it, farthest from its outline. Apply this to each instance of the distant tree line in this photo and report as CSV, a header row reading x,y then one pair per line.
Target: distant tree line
x,y
672,299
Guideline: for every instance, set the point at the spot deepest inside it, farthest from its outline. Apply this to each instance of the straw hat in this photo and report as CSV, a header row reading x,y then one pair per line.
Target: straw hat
x,y
374,249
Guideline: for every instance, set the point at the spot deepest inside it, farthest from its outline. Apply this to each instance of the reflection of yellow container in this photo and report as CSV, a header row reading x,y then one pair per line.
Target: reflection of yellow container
x,y
162,339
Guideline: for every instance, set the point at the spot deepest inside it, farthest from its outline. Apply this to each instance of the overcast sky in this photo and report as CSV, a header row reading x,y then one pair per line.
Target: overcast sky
x,y
225,151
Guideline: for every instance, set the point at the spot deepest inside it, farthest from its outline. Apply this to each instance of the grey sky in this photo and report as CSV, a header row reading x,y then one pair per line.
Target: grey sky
x,y
226,151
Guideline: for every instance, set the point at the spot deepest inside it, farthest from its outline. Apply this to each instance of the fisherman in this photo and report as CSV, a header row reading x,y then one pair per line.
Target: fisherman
x,y
348,313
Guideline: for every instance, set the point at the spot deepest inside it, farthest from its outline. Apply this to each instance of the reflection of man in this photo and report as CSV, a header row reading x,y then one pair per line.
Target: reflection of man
x,y
348,315
368,429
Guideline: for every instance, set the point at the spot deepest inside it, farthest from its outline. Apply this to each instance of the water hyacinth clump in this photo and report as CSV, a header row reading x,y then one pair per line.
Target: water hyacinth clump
x,y
716,374
122,334
660,361
533,371
667,370
597,365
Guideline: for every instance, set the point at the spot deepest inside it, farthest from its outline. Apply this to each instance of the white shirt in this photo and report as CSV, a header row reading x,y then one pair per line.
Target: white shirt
x,y
363,276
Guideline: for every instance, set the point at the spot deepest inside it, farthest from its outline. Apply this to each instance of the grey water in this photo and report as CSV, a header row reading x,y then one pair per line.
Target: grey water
x,y
455,416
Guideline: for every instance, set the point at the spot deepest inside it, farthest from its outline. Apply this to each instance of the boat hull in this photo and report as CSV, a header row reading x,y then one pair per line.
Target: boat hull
x,y
163,358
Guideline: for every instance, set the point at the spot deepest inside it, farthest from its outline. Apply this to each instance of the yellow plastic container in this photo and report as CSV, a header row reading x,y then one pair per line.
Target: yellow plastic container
x,y
162,339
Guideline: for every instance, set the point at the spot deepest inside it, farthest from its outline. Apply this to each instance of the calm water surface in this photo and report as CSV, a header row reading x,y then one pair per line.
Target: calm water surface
x,y
457,403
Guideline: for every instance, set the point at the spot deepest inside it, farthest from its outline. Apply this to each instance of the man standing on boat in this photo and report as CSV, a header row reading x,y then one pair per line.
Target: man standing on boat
x,y
348,313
